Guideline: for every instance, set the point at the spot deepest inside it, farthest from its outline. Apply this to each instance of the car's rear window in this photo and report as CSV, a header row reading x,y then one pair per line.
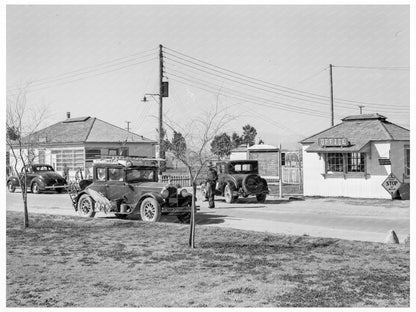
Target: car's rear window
x,y
243,168
42,168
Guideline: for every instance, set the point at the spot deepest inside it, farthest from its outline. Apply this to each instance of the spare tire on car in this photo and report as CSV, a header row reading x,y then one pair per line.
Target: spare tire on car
x,y
252,184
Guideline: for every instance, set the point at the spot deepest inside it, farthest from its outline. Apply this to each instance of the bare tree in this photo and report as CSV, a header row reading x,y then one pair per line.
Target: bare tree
x,y
193,150
21,124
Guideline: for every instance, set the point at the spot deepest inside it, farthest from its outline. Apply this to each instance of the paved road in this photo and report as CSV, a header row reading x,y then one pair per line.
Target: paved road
x,y
367,220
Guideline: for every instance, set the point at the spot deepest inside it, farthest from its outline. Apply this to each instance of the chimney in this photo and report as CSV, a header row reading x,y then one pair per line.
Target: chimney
x,y
68,115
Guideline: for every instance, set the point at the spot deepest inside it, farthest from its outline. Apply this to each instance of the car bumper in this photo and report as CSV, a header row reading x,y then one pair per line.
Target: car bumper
x,y
54,187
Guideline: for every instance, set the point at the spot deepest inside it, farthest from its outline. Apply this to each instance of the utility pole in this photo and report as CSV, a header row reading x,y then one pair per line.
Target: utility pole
x,y
332,95
161,153
128,126
361,109
163,92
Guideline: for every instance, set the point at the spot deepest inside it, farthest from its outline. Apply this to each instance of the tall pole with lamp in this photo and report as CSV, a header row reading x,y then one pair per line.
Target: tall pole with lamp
x,y
163,92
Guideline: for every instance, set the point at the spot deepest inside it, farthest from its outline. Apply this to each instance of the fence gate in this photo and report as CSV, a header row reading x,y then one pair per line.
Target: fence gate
x,y
291,175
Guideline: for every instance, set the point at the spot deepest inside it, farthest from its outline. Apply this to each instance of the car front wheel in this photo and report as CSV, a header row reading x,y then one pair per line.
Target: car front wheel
x,y
35,188
150,210
11,187
86,206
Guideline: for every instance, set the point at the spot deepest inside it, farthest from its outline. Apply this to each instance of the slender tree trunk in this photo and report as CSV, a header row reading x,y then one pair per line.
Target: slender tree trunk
x,y
193,212
23,187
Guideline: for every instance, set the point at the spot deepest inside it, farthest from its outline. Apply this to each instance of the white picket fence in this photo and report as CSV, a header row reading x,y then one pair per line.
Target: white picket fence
x,y
183,180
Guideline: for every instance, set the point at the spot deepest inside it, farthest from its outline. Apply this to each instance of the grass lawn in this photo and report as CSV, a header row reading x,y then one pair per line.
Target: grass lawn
x,y
63,261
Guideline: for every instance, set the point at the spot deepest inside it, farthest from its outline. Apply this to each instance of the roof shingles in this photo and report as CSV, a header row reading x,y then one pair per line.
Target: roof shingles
x,y
86,129
360,130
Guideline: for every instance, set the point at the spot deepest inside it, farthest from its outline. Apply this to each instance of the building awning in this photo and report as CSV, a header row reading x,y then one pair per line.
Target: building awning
x,y
356,147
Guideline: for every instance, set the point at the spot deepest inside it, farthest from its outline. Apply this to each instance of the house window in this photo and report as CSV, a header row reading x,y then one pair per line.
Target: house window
x,y
407,161
91,154
356,162
335,162
283,159
112,152
345,162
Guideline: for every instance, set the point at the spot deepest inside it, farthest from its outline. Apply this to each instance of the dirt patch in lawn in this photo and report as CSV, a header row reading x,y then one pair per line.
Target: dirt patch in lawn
x,y
63,261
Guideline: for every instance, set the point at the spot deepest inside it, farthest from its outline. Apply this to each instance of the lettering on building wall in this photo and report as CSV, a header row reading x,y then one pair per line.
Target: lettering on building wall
x,y
324,142
384,161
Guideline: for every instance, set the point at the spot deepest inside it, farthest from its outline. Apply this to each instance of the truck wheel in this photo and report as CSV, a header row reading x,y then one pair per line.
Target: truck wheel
x,y
11,187
228,193
150,211
86,206
261,198
185,218
35,188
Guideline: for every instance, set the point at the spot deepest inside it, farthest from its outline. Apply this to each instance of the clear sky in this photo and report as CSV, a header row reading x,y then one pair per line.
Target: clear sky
x,y
271,63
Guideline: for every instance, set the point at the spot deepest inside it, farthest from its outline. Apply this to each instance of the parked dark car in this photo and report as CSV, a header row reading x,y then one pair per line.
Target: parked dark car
x,y
39,178
129,186
239,178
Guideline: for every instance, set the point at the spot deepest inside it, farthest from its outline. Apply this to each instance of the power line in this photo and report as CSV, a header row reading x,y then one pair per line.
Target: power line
x,y
309,98
82,70
256,97
262,89
239,97
373,67
90,76
314,75
277,86
245,95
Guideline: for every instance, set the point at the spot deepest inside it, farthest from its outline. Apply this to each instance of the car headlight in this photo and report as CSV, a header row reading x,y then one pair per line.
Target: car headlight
x,y
184,193
164,193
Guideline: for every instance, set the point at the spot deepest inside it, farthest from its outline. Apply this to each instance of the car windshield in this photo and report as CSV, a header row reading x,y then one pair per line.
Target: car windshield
x,y
243,168
42,168
140,175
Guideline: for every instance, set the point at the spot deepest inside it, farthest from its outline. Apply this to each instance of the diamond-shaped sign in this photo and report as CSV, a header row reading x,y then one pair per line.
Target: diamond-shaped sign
x,y
391,184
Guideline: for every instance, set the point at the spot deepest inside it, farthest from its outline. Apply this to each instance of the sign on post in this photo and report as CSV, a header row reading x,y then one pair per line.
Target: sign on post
x,y
391,184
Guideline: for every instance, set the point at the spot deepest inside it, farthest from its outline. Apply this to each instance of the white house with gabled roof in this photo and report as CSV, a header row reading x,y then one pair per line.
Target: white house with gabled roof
x,y
353,158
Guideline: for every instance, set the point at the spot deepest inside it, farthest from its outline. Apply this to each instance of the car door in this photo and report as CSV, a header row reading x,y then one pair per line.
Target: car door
x,y
116,187
100,180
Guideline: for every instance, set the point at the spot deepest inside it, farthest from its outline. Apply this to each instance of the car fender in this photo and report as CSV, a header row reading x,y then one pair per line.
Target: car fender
x,y
158,198
14,180
265,185
37,180
229,179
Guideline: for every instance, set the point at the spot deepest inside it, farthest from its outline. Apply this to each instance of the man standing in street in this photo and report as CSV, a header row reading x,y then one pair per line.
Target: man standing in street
x,y
212,178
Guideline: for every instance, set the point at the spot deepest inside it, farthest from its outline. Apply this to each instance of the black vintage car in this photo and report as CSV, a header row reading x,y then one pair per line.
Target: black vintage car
x,y
129,186
239,178
39,177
